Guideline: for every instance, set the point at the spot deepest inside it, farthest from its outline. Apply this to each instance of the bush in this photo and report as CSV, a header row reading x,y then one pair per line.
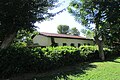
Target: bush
x,y
16,60
92,53
62,55
108,53
89,52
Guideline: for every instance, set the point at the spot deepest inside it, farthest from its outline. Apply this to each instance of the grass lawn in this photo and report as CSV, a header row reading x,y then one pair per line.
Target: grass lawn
x,y
107,70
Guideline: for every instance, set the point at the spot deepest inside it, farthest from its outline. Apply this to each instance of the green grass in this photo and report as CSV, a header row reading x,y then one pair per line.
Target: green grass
x,y
107,70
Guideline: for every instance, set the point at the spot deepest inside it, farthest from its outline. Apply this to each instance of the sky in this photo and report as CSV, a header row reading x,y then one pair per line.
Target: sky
x,y
63,18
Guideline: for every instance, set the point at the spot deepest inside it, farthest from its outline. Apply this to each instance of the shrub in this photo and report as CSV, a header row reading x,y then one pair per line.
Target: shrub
x,y
89,52
16,60
92,53
62,55
108,53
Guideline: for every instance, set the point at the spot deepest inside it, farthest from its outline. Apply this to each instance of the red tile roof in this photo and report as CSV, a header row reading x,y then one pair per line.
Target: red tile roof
x,y
62,36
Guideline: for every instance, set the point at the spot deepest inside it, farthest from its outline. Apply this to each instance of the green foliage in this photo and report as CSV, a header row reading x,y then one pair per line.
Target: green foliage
x,y
88,33
74,31
14,60
87,11
113,40
23,13
24,37
89,52
98,70
62,55
63,29
98,12
16,15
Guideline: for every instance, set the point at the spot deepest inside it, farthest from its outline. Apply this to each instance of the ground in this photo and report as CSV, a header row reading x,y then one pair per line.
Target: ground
x,y
98,70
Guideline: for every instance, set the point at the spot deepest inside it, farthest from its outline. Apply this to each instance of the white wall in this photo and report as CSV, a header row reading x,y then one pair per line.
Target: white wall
x,y
46,41
60,41
42,40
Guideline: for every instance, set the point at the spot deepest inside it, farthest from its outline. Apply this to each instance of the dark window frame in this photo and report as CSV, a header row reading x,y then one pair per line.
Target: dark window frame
x,y
64,44
88,44
72,44
79,44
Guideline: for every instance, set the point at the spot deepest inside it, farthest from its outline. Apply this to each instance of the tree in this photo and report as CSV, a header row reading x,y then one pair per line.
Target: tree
x,y
111,23
99,13
63,29
74,31
88,33
25,37
113,38
18,15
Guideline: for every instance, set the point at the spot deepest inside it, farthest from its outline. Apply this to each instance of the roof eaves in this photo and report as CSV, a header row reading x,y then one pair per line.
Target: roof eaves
x,y
56,36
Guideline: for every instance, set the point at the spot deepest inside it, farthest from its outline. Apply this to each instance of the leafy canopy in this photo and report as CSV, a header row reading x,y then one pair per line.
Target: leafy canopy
x,y
74,31
63,29
18,15
105,14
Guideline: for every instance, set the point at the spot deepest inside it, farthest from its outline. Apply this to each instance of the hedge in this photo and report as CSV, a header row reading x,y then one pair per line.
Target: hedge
x,y
18,60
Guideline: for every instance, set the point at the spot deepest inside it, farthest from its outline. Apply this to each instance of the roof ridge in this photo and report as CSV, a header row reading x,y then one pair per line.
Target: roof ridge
x,y
62,35
59,34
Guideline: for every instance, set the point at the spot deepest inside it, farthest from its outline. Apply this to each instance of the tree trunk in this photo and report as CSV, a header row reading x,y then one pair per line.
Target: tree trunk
x,y
100,47
52,41
7,40
99,38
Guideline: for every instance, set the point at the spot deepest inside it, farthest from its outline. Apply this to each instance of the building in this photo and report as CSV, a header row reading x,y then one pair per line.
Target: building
x,y
52,39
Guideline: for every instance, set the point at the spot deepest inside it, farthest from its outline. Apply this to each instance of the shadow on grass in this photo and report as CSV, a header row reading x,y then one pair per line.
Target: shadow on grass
x,y
72,70
110,59
113,59
64,72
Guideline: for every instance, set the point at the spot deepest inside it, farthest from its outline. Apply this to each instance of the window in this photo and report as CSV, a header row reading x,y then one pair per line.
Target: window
x,y
64,44
79,44
72,44
88,43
